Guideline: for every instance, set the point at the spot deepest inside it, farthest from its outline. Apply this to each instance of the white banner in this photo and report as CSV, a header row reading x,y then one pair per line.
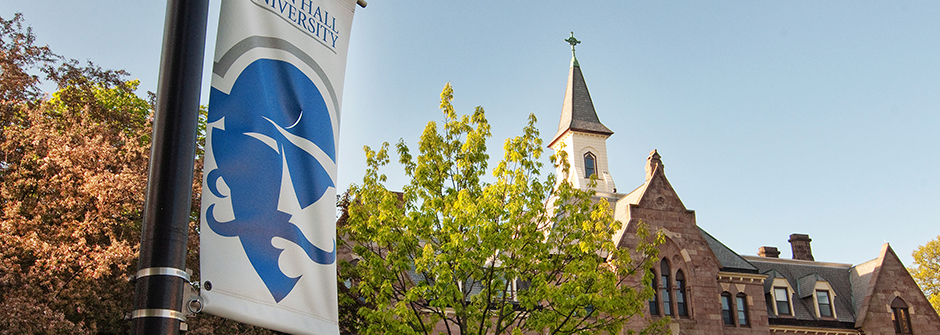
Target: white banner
x,y
267,245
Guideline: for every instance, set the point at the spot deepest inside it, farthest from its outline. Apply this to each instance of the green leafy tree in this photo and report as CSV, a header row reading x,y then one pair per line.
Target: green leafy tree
x,y
454,253
348,298
926,271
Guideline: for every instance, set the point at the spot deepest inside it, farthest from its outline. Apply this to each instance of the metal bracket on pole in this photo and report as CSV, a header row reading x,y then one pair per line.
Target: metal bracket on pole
x,y
158,313
162,271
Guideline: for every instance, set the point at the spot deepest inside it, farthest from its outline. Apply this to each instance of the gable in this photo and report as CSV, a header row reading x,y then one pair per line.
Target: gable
x,y
891,280
656,204
659,194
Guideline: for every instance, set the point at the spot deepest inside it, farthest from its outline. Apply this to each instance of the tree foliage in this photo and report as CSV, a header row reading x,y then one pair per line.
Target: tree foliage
x,y
73,174
926,271
72,179
18,56
468,256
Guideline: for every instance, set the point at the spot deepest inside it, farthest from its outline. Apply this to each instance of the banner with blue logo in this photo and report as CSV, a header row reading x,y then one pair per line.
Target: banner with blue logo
x,y
268,234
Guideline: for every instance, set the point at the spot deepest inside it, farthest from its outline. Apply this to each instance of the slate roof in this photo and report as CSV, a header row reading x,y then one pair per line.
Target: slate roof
x,y
730,261
861,276
802,277
634,196
577,112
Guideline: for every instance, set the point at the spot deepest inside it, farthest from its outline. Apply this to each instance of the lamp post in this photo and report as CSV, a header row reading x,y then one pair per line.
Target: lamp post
x,y
161,275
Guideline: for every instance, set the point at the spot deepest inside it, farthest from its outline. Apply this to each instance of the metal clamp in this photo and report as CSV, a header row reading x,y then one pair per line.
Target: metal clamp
x,y
195,305
158,313
162,271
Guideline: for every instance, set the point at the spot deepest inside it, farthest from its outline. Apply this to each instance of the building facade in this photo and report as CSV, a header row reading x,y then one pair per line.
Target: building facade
x,y
704,287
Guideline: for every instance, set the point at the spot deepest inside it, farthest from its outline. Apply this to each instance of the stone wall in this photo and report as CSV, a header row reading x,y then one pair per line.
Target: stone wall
x,y
892,280
685,248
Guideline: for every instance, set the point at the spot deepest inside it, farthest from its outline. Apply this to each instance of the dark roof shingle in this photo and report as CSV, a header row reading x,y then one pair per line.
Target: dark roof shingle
x,y
800,275
577,112
730,260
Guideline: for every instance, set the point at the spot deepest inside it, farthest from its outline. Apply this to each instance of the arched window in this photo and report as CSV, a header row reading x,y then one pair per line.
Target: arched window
x,y
681,308
900,316
654,301
590,165
726,309
741,304
666,287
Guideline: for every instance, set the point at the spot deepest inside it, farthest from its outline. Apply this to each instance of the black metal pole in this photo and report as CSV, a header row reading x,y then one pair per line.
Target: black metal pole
x,y
161,277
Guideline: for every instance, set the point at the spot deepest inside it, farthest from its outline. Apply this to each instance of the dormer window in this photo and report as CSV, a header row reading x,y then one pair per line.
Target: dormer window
x,y
824,303
782,298
778,298
823,297
590,165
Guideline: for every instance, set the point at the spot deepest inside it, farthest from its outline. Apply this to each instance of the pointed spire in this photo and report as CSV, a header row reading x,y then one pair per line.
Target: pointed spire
x,y
577,112
653,162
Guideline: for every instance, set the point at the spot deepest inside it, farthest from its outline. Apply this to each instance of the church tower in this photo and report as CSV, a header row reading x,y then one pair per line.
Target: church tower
x,y
581,134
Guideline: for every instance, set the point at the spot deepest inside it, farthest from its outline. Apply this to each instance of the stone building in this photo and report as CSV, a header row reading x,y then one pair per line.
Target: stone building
x,y
707,288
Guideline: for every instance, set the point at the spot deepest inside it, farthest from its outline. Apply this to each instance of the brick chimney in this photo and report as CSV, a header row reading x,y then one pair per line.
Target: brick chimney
x,y
801,248
769,252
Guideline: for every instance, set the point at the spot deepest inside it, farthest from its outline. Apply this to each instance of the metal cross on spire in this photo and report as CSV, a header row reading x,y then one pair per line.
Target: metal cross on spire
x,y
573,41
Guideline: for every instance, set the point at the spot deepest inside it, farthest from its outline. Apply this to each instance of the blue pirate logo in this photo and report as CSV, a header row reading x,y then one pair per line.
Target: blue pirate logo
x,y
276,131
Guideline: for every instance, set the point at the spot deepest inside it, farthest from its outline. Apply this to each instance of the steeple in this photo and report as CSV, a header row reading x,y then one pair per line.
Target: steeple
x,y
577,112
581,134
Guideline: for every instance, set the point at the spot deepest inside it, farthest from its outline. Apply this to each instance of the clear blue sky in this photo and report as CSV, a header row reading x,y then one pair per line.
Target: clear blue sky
x,y
772,117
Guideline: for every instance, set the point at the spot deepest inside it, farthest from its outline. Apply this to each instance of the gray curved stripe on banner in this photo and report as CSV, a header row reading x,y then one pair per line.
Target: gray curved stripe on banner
x,y
243,46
